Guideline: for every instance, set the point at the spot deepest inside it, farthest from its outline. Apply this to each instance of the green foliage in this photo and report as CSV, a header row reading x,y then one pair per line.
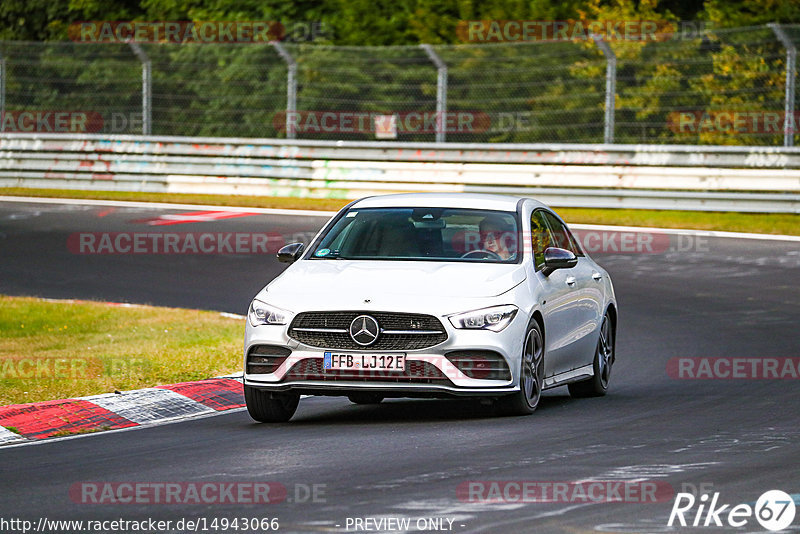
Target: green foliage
x,y
737,13
379,22
531,92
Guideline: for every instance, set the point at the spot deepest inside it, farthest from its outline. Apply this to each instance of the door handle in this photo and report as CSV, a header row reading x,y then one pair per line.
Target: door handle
x,y
570,280
597,276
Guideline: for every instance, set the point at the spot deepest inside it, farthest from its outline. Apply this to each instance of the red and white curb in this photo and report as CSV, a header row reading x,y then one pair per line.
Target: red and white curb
x,y
31,422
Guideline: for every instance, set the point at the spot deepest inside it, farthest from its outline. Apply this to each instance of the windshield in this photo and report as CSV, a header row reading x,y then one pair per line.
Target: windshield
x,y
444,234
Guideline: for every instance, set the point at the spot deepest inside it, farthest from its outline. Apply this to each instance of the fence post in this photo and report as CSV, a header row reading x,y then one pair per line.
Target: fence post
x,y
441,91
291,85
147,87
789,123
2,92
611,87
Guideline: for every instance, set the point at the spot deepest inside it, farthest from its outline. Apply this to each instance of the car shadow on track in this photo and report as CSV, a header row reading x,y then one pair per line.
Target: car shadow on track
x,y
340,410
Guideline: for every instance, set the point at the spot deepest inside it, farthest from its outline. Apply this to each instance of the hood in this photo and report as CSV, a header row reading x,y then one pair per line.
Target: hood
x,y
351,281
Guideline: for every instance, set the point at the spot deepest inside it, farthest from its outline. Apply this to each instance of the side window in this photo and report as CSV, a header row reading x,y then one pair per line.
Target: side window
x,y
560,237
576,245
540,237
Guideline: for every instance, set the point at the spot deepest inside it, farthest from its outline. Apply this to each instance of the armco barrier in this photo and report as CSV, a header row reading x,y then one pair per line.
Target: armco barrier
x,y
630,176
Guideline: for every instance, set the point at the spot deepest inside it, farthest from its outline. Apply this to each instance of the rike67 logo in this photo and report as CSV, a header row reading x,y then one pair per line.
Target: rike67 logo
x,y
774,511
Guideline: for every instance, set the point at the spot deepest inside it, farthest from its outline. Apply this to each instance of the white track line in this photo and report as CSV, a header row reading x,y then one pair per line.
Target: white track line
x,y
227,315
679,231
313,213
164,205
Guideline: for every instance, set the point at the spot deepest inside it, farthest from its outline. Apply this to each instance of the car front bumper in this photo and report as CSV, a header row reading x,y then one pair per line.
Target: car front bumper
x,y
433,375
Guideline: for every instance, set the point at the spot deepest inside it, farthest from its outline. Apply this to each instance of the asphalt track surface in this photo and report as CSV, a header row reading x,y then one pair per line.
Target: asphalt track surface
x,y
406,458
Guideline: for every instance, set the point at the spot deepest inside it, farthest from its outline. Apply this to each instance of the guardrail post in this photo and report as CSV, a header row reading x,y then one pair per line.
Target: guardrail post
x,y
2,91
291,85
789,123
611,87
147,87
441,91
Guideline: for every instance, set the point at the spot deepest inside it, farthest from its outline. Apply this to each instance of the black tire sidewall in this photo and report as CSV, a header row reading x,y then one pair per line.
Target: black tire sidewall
x,y
517,403
533,325
270,408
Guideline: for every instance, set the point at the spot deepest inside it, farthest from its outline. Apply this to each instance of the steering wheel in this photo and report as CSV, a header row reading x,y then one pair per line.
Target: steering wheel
x,y
486,254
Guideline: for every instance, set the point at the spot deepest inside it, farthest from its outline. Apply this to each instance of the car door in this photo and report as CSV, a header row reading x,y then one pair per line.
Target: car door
x,y
557,302
585,298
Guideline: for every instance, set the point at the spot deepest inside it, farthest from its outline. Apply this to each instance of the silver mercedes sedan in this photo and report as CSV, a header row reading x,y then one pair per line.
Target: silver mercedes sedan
x,y
432,295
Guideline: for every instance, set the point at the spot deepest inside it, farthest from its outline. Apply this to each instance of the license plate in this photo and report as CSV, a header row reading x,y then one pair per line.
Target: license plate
x,y
365,362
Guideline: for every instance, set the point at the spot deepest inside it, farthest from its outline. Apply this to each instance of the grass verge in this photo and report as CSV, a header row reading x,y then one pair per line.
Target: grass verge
x,y
55,350
291,203
759,223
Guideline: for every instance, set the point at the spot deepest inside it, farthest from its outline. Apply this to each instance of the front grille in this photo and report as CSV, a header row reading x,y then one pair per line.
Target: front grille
x,y
416,372
264,359
399,331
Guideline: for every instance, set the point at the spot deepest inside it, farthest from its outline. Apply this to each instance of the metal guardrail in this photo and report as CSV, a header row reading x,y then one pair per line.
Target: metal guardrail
x,y
589,154
624,176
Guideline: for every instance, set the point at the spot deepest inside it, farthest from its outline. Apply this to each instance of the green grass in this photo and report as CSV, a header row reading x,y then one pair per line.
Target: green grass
x,y
322,204
760,223
757,223
65,433
55,350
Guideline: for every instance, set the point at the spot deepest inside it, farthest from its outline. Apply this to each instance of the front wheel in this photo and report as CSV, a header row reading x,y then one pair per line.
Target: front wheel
x,y
531,379
266,407
597,386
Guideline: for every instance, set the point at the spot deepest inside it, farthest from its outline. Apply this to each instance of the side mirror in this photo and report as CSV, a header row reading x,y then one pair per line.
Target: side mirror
x,y
558,258
291,253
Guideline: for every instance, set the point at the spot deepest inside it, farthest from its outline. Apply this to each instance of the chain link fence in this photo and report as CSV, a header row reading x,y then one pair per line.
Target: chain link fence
x,y
725,87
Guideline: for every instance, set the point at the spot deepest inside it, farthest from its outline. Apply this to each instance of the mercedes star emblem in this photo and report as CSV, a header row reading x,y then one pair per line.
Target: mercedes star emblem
x,y
364,330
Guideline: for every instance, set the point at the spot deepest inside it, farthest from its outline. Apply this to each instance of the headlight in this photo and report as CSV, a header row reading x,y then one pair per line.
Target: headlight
x,y
495,318
262,313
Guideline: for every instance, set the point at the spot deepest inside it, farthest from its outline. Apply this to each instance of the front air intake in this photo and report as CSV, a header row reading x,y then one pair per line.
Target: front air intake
x,y
265,359
481,364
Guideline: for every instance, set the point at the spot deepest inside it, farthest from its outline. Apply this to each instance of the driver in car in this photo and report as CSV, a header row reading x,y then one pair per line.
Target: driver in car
x,y
498,236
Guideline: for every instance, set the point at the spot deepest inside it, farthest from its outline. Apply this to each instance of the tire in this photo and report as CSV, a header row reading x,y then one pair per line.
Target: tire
x,y
266,407
604,356
531,376
365,397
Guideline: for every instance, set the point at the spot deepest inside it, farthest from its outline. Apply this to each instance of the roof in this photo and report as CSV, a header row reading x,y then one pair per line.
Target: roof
x,y
443,200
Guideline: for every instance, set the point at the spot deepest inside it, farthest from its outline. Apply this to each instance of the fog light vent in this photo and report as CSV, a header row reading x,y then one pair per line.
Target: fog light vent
x,y
480,364
265,359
